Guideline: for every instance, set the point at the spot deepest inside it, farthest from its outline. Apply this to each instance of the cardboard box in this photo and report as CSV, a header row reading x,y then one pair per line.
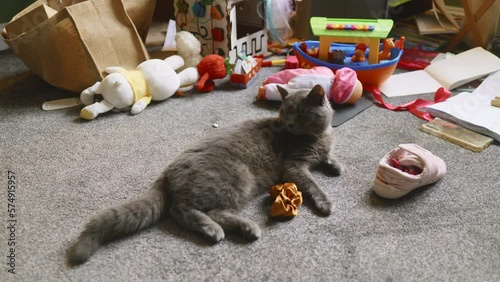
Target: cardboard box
x,y
224,27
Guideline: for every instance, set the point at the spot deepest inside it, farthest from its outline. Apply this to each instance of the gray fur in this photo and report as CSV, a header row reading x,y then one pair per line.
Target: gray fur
x,y
207,184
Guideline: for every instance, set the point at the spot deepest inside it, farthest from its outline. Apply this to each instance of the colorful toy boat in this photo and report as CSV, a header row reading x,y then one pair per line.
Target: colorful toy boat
x,y
368,74
372,67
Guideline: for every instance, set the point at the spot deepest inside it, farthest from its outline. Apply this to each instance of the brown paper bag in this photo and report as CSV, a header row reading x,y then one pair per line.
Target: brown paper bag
x,y
71,47
140,11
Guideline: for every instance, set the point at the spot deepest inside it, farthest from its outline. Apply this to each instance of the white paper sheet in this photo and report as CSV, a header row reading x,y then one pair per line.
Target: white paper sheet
x,y
170,44
473,110
409,83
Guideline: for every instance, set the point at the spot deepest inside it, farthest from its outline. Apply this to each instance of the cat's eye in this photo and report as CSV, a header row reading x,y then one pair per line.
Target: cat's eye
x,y
302,112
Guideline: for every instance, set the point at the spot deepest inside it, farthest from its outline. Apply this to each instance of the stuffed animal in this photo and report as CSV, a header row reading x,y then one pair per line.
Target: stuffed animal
x,y
189,48
211,67
153,79
341,87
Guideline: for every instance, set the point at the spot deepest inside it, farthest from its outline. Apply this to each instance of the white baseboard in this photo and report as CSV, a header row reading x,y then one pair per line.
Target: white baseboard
x,y
3,46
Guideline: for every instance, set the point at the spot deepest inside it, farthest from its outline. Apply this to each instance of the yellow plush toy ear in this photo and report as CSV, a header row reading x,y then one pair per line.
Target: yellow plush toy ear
x,y
288,199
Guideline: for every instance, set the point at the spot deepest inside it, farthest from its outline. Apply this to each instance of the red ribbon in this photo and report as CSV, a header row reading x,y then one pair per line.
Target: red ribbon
x,y
414,106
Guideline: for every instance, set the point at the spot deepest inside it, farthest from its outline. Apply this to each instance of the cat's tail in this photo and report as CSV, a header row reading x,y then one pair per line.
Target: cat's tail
x,y
119,221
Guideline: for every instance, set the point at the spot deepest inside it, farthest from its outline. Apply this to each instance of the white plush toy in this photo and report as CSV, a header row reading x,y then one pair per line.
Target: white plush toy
x,y
188,47
152,80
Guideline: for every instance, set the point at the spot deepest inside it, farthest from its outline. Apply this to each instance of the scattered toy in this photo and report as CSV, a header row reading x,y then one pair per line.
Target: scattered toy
x,y
153,79
211,67
342,87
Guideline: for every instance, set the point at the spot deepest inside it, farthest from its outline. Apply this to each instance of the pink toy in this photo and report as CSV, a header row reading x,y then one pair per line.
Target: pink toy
x,y
291,62
283,77
342,87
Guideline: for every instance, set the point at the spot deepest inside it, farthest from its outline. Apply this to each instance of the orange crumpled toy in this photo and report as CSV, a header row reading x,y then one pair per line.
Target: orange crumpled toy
x,y
288,200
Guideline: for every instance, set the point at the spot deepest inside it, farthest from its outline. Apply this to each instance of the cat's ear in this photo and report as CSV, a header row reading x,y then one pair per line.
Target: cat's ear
x,y
282,91
317,95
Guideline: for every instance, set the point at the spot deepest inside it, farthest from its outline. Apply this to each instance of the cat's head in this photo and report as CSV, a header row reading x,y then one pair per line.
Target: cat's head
x,y
305,111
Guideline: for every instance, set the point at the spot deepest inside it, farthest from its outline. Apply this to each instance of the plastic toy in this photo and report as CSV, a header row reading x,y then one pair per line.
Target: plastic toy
x,y
344,87
370,71
291,62
282,48
287,202
245,70
387,45
152,80
381,29
337,57
311,51
361,27
209,68
359,54
273,63
189,48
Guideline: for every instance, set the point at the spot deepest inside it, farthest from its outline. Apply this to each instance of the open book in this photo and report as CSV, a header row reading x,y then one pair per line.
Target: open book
x,y
449,73
473,110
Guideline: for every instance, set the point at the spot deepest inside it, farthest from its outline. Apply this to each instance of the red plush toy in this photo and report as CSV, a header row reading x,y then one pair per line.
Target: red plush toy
x,y
210,67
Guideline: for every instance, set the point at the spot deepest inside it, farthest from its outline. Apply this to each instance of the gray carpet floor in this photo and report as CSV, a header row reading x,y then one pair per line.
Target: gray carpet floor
x,y
67,169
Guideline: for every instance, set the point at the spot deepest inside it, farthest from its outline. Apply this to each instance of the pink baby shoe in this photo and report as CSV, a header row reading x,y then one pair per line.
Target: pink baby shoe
x,y
405,168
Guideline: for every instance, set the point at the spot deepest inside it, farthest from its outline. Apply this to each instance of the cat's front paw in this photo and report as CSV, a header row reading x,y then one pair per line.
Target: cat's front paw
x,y
324,206
332,168
251,231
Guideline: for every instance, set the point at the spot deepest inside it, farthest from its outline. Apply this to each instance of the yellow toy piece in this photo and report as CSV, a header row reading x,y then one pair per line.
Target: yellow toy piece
x,y
288,199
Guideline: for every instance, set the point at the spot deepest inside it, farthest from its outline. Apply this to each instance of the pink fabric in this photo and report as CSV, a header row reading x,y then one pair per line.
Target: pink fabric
x,y
343,85
282,77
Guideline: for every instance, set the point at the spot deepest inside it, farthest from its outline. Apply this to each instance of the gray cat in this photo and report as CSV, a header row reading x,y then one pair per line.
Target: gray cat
x,y
204,187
